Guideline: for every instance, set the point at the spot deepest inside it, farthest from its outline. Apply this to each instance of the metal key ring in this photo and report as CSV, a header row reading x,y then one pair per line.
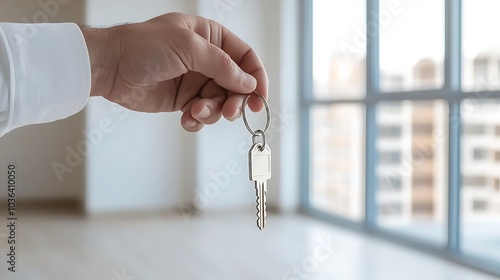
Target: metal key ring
x,y
261,134
268,112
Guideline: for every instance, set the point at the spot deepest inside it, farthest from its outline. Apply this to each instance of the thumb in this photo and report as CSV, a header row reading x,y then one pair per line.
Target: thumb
x,y
214,63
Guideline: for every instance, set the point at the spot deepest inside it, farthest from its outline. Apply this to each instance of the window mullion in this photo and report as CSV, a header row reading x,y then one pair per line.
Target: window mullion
x,y
372,88
453,43
307,97
372,48
453,58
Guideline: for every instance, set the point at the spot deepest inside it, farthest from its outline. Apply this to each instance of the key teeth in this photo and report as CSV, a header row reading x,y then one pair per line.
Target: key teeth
x,y
258,209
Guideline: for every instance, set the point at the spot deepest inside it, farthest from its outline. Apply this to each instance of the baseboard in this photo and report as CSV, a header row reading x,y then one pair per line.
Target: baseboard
x,y
48,206
131,214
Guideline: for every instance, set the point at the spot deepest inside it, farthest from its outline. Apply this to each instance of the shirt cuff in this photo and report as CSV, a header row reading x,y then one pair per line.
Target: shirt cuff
x,y
50,75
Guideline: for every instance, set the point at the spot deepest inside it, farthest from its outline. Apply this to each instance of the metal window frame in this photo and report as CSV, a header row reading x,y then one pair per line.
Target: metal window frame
x,y
451,93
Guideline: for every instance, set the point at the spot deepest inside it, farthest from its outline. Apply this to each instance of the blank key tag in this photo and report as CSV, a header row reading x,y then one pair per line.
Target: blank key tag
x,y
260,162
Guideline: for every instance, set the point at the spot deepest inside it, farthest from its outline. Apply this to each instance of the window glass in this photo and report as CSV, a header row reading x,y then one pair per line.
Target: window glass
x,y
411,143
480,154
481,49
476,129
390,157
339,48
390,131
405,62
474,181
497,130
412,170
337,158
480,180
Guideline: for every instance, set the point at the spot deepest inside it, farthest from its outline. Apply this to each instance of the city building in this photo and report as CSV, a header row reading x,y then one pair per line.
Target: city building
x,y
412,165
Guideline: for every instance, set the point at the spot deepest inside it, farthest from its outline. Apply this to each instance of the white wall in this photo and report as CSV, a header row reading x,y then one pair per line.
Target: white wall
x,y
271,28
146,162
35,148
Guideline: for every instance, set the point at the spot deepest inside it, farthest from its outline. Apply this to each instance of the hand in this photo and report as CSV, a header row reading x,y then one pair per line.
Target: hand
x,y
176,62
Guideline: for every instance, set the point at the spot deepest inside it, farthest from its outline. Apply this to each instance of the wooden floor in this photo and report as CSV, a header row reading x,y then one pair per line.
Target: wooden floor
x,y
218,246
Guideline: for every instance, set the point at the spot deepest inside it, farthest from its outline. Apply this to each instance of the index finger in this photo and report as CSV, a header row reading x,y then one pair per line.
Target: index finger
x,y
248,60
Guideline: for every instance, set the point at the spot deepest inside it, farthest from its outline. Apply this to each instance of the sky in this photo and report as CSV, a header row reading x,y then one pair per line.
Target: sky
x,y
413,31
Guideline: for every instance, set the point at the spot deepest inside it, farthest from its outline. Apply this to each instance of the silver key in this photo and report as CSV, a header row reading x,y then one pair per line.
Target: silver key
x,y
260,171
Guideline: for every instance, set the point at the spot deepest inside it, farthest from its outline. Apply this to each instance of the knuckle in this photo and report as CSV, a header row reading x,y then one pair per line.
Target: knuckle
x,y
227,65
191,49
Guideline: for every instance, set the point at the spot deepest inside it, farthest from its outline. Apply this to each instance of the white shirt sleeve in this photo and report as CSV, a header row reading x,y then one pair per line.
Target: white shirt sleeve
x,y
44,73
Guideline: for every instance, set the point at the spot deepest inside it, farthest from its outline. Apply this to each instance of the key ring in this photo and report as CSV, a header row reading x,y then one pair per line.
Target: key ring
x,y
257,133
261,134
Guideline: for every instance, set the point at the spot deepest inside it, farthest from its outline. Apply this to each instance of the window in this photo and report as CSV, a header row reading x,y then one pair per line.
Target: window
x,y
479,205
390,158
418,66
337,160
474,129
423,155
391,108
498,69
480,51
479,154
338,61
474,181
478,193
390,184
390,131
422,208
424,129
480,69
497,156
391,209
407,107
424,181
497,130
412,158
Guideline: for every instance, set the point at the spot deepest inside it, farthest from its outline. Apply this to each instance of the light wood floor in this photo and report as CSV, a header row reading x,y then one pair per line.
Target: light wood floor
x,y
217,246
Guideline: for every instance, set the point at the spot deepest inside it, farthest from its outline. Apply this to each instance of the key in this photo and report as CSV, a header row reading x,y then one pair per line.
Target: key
x,y
260,171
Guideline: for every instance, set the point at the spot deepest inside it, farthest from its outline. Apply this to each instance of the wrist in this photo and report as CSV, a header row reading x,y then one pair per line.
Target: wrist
x,y
104,53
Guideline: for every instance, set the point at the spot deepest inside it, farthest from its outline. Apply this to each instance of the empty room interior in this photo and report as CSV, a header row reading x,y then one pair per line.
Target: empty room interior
x,y
383,118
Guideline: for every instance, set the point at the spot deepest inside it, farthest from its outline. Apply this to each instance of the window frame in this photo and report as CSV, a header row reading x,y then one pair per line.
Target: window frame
x,y
451,93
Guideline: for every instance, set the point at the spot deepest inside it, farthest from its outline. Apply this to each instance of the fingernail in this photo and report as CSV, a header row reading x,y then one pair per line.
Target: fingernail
x,y
249,82
205,113
191,123
235,116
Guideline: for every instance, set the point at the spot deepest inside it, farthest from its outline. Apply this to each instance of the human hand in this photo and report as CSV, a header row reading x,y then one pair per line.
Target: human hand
x,y
176,62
